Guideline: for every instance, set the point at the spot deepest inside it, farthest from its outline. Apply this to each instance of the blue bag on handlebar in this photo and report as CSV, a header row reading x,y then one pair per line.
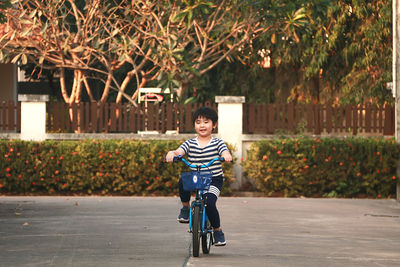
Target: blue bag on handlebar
x,y
196,180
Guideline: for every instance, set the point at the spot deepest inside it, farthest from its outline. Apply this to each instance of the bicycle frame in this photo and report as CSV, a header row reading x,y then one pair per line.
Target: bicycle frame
x,y
200,201
199,204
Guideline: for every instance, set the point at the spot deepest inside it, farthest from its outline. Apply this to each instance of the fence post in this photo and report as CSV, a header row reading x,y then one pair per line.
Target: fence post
x,y
230,128
33,116
388,122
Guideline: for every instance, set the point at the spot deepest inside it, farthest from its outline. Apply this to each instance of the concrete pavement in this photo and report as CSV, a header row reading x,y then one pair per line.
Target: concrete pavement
x,y
307,232
142,231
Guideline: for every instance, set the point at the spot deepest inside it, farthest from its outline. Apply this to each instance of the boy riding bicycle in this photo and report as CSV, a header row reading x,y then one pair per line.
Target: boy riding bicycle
x,y
200,150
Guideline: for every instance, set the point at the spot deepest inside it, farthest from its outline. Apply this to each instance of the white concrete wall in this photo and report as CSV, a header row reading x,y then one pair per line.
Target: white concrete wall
x,y
230,128
33,117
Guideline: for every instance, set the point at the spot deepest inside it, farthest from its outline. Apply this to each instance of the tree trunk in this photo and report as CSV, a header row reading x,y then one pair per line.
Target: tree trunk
x,y
63,86
88,90
106,88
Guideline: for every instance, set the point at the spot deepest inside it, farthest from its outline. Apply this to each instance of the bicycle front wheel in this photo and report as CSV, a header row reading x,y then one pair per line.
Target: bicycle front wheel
x,y
206,240
196,231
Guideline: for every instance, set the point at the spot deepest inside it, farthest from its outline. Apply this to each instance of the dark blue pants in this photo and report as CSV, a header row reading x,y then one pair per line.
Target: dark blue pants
x,y
212,196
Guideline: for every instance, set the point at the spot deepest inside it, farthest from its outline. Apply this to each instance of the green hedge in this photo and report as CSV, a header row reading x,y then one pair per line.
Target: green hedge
x,y
329,167
102,167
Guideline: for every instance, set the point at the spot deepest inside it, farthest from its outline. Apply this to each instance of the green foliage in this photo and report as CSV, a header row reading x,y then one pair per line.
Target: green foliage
x,y
359,49
236,79
3,5
119,167
328,167
319,50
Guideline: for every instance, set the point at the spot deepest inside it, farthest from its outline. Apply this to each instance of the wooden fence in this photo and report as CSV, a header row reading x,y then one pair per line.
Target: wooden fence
x,y
10,116
257,119
317,119
121,118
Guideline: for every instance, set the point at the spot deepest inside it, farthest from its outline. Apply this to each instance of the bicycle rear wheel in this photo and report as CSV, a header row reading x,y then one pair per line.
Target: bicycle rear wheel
x,y
206,240
196,231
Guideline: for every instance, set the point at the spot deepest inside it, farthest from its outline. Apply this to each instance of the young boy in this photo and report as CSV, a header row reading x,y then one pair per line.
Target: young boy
x,y
201,150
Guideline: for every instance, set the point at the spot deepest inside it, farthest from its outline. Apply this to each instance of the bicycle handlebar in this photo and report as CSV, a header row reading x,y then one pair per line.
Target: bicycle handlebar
x,y
180,158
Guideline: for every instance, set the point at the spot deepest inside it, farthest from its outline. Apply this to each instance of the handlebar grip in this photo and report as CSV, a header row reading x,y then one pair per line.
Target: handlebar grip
x,y
178,158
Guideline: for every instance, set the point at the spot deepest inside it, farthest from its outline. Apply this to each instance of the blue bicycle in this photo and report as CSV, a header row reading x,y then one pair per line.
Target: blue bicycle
x,y
199,225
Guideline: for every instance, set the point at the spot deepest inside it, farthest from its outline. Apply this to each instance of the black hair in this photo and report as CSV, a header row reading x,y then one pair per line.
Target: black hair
x,y
206,112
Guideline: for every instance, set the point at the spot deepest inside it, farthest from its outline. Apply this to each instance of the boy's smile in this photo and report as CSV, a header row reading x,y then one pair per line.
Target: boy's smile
x,y
203,127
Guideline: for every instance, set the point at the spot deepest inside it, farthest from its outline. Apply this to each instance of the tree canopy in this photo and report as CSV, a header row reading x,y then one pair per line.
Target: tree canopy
x,y
269,51
319,51
126,44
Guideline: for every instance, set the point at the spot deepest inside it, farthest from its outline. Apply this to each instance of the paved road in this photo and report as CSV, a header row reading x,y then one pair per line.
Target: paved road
x,y
138,231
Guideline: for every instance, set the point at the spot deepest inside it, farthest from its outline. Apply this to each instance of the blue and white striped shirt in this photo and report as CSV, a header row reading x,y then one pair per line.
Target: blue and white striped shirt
x,y
202,155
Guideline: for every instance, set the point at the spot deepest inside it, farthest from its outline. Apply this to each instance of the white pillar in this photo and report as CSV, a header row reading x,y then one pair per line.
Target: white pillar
x,y
33,117
230,128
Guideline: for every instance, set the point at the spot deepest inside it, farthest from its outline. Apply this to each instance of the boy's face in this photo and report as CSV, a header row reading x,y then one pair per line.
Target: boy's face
x,y
204,126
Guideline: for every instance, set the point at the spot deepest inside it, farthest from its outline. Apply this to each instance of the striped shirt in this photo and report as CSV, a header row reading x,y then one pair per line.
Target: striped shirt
x,y
202,155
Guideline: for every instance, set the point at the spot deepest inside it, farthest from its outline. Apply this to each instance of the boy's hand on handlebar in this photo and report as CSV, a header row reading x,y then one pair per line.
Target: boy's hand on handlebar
x,y
170,156
227,156
174,153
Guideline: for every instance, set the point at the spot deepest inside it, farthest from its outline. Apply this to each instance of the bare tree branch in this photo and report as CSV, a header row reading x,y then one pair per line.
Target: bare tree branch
x,y
125,39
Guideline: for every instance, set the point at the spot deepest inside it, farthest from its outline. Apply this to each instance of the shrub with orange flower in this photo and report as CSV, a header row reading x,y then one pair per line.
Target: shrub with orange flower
x,y
343,167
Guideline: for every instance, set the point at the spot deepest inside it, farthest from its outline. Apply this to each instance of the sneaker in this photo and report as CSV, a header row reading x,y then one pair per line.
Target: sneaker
x,y
219,238
184,215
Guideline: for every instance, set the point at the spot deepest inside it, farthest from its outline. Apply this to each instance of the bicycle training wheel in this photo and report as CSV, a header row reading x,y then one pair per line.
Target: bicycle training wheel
x,y
206,240
196,231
